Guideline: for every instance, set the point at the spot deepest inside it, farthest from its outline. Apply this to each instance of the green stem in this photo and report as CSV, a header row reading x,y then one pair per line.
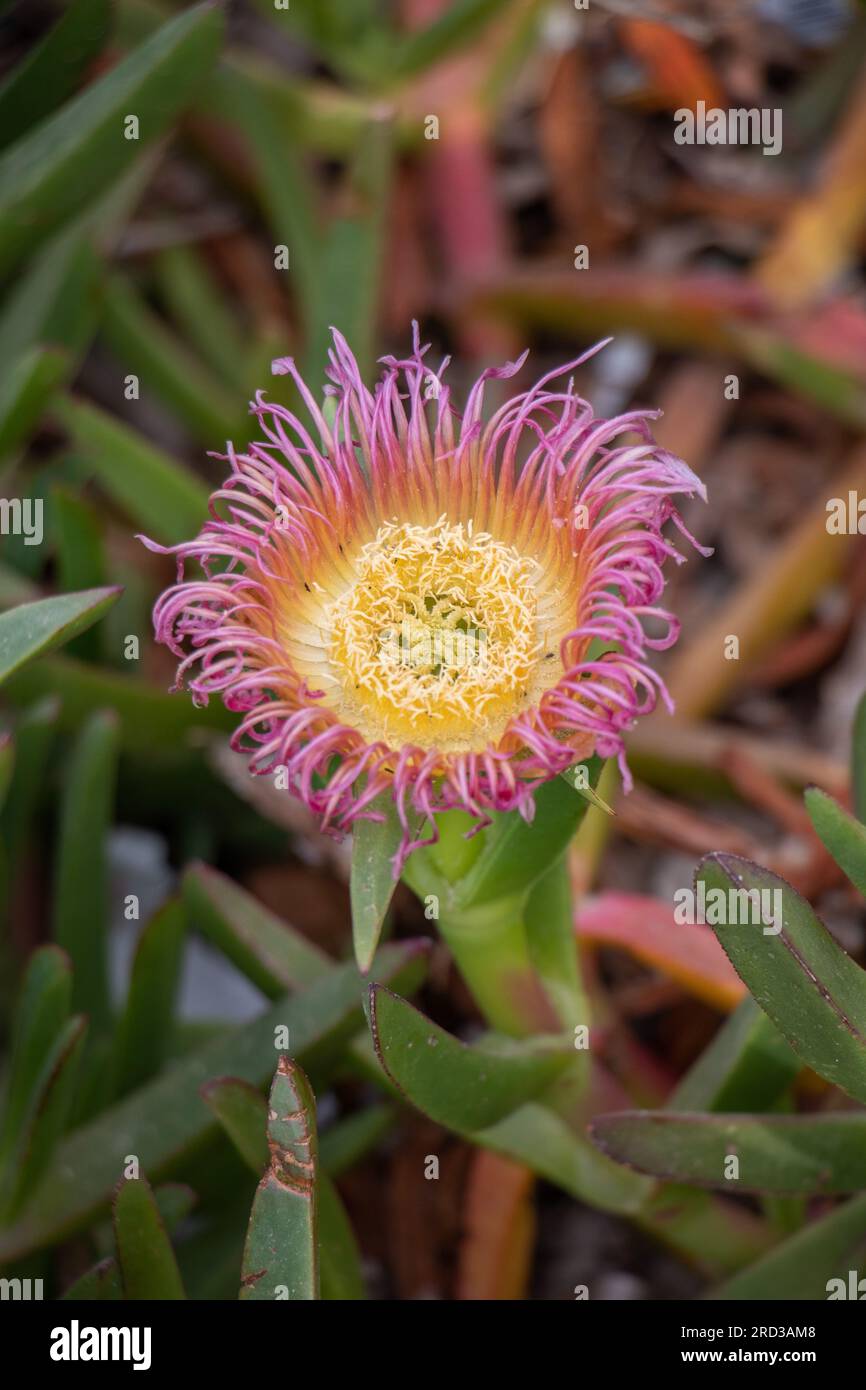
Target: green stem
x,y
489,945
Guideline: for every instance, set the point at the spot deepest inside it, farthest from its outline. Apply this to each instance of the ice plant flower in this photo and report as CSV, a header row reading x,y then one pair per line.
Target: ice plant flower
x,y
398,598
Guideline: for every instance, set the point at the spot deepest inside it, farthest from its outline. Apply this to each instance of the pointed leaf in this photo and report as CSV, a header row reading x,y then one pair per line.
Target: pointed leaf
x,y
339,1257
841,834
281,1257
24,394
157,493
81,878
372,883
166,1120
802,1266
243,1113
145,1030
747,1066
272,954
148,1267
42,1012
775,1153
45,1117
53,68
458,1086
810,988
35,628
101,1284
74,155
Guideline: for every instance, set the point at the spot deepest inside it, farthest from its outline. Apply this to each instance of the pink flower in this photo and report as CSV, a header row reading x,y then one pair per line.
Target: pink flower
x,y
395,598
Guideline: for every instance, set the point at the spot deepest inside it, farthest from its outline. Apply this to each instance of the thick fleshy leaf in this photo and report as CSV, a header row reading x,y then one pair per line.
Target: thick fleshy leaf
x,y
272,954
145,1030
243,1113
42,1012
283,185
374,844
44,1120
34,732
141,341
76,154
148,1268
147,716
797,1154
747,1066
465,1088
456,25
53,302
339,1257
516,853
158,494
545,1142
802,1267
101,1284
165,1121
352,253
53,68
35,628
281,1256
842,834
80,918
80,561
812,990
24,393
344,1144
191,296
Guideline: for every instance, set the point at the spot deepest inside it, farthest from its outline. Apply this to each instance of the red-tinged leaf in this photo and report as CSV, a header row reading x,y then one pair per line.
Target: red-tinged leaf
x,y
646,928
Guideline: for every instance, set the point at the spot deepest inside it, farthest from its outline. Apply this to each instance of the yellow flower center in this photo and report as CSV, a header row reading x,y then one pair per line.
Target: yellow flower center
x,y
438,642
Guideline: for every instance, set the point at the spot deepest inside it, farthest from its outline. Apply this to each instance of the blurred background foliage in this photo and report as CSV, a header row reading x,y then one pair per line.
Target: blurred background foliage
x,y
189,191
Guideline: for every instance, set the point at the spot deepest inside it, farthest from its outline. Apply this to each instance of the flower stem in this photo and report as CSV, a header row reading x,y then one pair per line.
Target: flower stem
x,y
489,945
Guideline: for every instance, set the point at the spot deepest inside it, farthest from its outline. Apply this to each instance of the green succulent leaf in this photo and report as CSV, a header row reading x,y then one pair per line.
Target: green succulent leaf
x,y
372,883
42,1012
796,1154
281,1255
158,494
747,1066
48,1108
33,629
243,1113
465,1088
801,1267
144,1035
165,1121
146,716
81,878
841,834
803,980
148,1267
267,950
142,342
53,68
24,393
71,158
